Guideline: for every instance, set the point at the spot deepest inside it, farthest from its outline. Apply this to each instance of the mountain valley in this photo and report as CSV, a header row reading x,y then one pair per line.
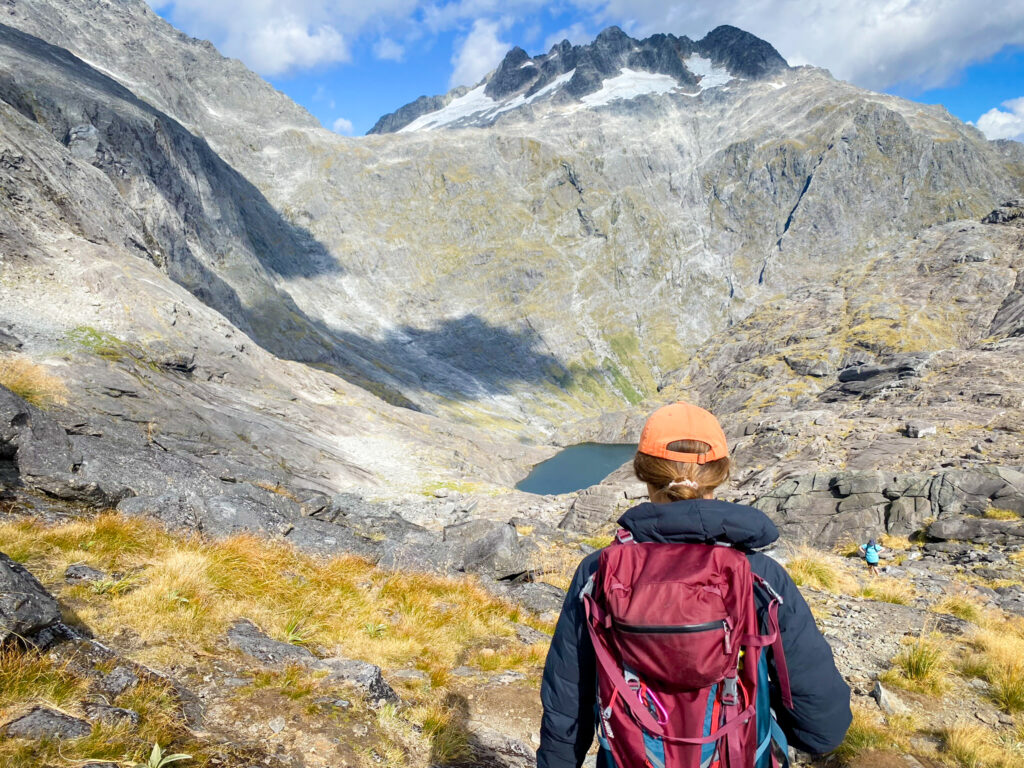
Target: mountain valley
x,y
265,390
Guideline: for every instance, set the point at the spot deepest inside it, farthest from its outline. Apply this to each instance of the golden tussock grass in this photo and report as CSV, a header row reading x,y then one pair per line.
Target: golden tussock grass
x,y
998,657
181,594
922,666
556,564
967,745
888,591
963,607
812,568
996,513
871,731
31,381
29,678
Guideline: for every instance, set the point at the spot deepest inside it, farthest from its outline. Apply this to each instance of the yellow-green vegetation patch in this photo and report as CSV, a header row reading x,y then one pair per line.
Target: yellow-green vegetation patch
x,y
888,591
32,677
185,592
996,513
811,568
968,745
192,589
29,678
621,383
962,607
102,344
31,382
999,658
869,731
921,666
458,486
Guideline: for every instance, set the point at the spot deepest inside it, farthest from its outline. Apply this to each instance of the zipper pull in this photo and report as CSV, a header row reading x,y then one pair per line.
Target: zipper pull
x,y
728,636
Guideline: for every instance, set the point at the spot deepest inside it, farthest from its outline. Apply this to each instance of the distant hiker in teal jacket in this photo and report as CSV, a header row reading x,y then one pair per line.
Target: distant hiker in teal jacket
x,y
871,550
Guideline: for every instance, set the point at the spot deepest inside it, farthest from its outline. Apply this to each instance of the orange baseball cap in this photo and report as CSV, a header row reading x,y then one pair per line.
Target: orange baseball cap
x,y
682,421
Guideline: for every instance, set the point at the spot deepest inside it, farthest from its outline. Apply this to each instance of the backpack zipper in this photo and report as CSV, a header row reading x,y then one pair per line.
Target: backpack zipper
x,y
682,629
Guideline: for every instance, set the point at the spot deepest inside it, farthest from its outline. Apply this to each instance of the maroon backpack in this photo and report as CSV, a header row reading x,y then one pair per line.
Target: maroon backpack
x,y
682,682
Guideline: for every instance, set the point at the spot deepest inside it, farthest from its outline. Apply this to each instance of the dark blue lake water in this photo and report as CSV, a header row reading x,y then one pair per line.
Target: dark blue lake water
x,y
576,467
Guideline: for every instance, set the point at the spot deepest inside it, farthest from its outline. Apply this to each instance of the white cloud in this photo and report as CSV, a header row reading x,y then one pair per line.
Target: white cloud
x,y
275,38
341,125
873,43
575,34
479,53
388,50
997,124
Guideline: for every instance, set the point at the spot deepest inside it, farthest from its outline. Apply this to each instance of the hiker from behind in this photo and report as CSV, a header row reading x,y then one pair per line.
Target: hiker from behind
x,y
871,550
680,643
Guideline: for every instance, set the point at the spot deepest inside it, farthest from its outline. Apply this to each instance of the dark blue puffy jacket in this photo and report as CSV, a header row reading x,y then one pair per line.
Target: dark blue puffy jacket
x,y
821,699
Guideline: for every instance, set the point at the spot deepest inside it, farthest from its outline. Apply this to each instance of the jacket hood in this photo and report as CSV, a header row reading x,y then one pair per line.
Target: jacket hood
x,y
700,520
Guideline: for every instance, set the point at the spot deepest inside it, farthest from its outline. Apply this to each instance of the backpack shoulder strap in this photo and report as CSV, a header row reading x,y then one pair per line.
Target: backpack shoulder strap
x,y
774,639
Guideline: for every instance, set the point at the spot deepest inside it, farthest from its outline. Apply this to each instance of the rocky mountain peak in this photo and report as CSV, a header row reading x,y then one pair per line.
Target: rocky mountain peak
x,y
613,67
741,52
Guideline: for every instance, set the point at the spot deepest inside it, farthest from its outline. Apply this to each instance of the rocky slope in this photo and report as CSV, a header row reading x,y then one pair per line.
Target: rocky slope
x,y
536,273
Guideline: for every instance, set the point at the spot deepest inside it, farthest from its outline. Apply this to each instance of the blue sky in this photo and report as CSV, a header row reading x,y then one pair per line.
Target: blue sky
x,y
349,62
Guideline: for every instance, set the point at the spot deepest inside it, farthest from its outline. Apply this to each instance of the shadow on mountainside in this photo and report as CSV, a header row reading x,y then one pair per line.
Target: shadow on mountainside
x,y
201,219
463,358
131,141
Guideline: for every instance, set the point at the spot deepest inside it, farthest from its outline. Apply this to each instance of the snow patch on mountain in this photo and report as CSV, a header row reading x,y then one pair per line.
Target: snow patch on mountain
x,y
710,75
470,104
629,85
477,104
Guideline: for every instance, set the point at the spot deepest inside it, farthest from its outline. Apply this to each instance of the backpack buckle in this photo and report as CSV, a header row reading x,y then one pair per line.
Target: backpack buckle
x,y
624,536
769,589
588,589
730,691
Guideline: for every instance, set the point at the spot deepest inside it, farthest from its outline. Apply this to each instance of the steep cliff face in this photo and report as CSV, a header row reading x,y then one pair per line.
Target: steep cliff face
x,y
547,269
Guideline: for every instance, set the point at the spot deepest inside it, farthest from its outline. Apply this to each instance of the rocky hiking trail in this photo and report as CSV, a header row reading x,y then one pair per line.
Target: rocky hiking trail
x,y
246,652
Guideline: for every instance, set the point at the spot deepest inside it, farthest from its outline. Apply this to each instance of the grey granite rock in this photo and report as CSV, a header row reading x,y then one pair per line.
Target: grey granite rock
x,y
44,723
117,681
78,573
363,675
104,713
246,637
26,607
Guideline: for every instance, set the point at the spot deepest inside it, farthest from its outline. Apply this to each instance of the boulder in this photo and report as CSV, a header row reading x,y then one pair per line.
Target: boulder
x,y
78,573
488,548
104,713
974,528
25,606
363,675
918,429
907,515
117,681
246,637
8,341
420,550
44,723
42,452
311,534
593,508
887,701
